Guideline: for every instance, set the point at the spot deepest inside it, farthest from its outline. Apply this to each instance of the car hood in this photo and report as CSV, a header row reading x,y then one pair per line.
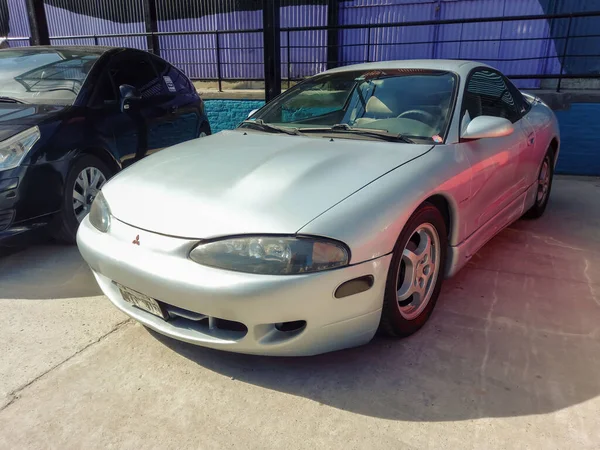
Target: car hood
x,y
244,183
16,117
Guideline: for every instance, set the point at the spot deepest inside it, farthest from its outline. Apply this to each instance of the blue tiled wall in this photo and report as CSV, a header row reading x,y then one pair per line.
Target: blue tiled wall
x,y
580,132
579,127
227,114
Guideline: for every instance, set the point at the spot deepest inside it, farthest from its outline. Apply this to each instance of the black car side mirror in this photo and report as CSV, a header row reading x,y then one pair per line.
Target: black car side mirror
x,y
129,95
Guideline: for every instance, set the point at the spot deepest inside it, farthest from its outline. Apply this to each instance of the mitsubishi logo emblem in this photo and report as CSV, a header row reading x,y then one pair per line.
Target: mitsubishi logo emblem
x,y
136,241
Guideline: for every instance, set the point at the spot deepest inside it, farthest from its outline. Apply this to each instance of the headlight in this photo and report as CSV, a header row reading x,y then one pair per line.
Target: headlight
x,y
14,149
274,255
100,213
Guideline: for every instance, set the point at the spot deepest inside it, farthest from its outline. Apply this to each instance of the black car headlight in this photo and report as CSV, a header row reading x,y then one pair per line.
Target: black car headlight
x,y
100,213
13,150
272,255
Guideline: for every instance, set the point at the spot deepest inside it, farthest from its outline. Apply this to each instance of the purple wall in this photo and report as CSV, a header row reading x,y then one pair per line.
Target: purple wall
x,y
307,49
62,22
408,42
241,53
18,22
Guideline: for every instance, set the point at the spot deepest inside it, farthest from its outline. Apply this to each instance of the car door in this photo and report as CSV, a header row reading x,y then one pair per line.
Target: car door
x,y
494,161
530,155
110,128
152,115
179,102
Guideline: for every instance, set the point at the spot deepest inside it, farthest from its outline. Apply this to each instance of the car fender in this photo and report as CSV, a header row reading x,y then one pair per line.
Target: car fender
x,y
370,220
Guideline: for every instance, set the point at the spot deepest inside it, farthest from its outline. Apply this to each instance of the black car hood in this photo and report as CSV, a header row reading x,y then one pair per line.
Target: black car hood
x,y
15,117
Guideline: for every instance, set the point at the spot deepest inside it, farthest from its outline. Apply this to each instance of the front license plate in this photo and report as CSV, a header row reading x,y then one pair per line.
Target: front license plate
x,y
142,301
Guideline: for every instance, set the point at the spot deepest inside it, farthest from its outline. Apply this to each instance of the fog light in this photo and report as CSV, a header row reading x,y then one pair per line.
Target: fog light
x,y
291,326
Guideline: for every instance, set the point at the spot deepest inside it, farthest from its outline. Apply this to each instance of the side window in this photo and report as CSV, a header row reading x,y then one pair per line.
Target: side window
x,y
104,93
135,69
173,81
487,94
181,82
522,105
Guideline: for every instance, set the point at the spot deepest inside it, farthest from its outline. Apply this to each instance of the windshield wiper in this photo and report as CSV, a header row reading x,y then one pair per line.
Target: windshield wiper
x,y
10,100
370,132
262,125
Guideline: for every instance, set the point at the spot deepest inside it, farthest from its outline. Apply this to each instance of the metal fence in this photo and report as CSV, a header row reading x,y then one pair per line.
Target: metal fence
x,y
536,51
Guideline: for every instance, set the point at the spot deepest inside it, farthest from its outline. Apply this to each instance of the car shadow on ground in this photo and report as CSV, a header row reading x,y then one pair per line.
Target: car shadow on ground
x,y
47,271
501,342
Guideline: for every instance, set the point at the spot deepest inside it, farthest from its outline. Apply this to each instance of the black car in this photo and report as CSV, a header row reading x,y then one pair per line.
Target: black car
x,y
71,117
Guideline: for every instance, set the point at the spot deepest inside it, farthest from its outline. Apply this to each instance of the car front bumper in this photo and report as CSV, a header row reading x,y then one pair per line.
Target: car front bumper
x,y
159,267
29,198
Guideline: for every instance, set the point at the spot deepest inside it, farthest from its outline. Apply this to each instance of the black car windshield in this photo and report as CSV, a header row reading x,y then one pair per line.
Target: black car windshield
x,y
413,103
44,76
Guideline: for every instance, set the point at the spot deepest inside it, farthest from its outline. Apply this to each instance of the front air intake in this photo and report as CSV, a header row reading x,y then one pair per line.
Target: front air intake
x,y
6,218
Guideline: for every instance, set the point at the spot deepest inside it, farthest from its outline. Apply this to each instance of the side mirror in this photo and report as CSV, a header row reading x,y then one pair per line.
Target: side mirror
x,y
252,112
488,127
129,95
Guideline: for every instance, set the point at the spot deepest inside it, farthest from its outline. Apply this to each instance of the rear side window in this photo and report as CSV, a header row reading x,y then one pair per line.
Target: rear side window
x,y
173,81
487,94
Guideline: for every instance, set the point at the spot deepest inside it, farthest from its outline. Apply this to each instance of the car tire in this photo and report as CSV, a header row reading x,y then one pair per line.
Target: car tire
x,y
418,266
204,130
544,187
84,170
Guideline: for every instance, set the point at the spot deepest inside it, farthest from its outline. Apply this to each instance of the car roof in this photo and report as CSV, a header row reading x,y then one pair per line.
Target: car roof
x,y
449,65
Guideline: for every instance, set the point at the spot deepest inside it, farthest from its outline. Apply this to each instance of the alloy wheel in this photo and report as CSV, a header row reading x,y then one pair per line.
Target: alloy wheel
x,y
543,182
418,271
87,185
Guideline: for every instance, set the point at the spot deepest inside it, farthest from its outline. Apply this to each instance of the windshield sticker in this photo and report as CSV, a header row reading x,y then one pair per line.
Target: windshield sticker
x,y
169,83
437,139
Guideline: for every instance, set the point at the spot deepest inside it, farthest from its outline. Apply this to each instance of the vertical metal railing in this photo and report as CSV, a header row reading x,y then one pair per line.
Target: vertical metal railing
x,y
368,45
289,62
563,58
218,50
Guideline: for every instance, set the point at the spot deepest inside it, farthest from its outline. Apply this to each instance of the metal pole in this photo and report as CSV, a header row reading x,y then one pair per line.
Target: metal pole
x,y
564,55
368,44
272,48
219,77
333,15
38,23
289,72
96,40
151,21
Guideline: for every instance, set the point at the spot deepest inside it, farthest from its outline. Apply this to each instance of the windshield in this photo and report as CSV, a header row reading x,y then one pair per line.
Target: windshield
x,y
408,102
44,77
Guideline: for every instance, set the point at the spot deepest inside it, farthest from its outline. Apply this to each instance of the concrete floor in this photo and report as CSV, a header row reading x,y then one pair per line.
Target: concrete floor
x,y
510,359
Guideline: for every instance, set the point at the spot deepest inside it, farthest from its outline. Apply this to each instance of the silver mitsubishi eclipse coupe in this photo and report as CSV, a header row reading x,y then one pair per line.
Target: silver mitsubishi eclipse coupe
x,y
332,213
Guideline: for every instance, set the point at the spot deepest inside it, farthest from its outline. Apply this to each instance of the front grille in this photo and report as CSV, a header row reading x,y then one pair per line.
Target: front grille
x,y
6,218
212,326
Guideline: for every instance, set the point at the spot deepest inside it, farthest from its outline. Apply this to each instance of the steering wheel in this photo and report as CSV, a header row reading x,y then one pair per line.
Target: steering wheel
x,y
430,119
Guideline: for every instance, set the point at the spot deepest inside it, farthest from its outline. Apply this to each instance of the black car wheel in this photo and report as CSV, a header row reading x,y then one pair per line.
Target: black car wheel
x,y
544,186
84,180
416,273
204,130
